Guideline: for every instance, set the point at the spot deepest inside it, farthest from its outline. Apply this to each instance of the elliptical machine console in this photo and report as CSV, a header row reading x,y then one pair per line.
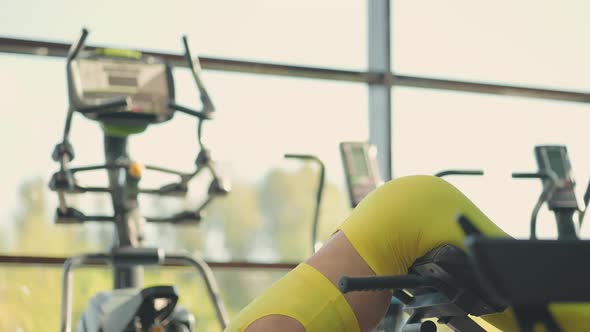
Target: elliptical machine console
x,y
555,171
125,92
144,82
555,160
361,169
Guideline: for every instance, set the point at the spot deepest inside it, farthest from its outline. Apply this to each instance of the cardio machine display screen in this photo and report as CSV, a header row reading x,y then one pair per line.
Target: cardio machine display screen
x,y
555,159
359,161
146,84
556,162
360,168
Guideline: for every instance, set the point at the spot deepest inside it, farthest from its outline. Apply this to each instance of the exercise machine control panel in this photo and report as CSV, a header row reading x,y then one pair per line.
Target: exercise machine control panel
x,y
143,80
553,159
361,169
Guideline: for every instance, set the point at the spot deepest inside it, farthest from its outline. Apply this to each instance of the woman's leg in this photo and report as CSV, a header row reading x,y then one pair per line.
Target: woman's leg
x,y
397,223
336,257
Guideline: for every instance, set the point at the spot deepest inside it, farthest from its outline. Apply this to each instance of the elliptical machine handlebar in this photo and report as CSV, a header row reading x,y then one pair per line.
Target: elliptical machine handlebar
x,y
77,47
379,283
132,257
318,199
546,175
105,107
551,182
195,68
468,172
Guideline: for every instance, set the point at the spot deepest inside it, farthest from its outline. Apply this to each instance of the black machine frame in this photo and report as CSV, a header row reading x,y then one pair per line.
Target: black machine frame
x,y
127,256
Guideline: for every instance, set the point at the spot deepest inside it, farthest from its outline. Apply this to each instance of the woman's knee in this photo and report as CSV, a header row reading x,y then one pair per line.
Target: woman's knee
x,y
407,217
410,199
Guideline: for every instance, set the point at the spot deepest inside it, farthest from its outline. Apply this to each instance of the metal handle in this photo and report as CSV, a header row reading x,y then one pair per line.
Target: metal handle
x,y
199,264
73,93
202,115
67,285
132,256
104,107
196,72
379,283
75,48
547,192
319,195
212,288
551,176
459,172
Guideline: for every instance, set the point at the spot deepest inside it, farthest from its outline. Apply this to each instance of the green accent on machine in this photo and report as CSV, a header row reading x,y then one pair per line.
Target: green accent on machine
x,y
118,130
119,53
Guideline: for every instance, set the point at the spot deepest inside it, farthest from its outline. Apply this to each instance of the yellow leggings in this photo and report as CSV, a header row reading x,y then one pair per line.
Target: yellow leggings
x,y
396,224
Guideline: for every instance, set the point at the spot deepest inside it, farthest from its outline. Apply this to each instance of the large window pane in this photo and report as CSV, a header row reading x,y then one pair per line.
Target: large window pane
x,y
440,130
539,43
266,217
319,33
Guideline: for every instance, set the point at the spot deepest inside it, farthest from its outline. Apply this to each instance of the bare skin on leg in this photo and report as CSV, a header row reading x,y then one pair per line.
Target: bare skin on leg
x,y
336,258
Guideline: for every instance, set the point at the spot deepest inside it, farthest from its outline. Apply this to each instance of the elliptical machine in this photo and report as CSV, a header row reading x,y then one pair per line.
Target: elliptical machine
x,y
555,171
451,285
126,91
